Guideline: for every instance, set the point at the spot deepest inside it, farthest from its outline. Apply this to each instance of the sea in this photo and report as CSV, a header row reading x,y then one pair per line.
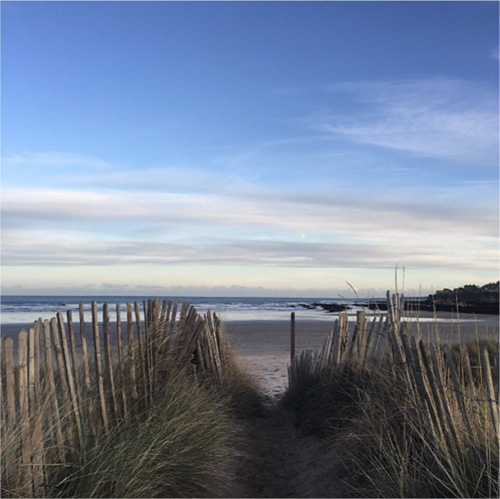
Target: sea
x,y
27,309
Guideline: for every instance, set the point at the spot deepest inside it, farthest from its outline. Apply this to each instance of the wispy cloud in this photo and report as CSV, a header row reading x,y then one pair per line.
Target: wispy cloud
x,y
55,159
440,118
346,213
51,251
267,229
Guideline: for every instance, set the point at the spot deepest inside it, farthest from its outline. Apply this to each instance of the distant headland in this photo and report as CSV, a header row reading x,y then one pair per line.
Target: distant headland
x,y
469,299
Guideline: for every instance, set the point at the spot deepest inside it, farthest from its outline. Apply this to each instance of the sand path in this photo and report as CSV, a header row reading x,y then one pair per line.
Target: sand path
x,y
277,459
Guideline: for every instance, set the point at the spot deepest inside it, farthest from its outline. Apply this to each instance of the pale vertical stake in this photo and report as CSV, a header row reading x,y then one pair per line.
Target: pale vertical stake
x,y
147,305
108,357
36,439
71,380
89,402
121,360
11,407
37,408
25,413
142,355
98,364
131,355
72,344
10,380
59,359
31,368
74,360
38,330
493,403
49,364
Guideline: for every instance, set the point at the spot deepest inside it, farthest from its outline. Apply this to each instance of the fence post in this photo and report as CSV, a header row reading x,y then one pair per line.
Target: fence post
x,y
121,360
490,389
11,405
89,403
108,359
24,411
49,369
292,336
98,364
70,377
131,357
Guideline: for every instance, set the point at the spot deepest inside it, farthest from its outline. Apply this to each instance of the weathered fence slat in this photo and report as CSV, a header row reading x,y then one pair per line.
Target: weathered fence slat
x,y
131,356
10,380
35,437
11,408
70,377
108,359
72,345
98,364
89,400
26,471
59,359
142,352
31,367
490,390
147,348
52,394
121,360
37,364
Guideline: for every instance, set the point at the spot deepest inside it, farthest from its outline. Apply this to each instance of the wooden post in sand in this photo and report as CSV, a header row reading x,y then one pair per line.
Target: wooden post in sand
x,y
292,337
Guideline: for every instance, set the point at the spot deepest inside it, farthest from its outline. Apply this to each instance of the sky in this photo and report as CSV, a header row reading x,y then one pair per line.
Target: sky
x,y
249,148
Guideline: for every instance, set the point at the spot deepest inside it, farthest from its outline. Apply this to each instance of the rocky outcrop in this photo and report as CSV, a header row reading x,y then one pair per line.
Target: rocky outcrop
x,y
328,307
468,299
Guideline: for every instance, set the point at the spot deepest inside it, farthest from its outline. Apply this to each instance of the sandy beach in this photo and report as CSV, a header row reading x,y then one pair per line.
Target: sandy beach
x,y
263,346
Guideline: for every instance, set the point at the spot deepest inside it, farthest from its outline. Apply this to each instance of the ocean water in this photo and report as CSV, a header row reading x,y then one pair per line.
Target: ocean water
x,y
24,310
27,309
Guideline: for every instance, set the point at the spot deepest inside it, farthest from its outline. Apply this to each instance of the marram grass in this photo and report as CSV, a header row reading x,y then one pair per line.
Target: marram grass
x,y
385,435
182,448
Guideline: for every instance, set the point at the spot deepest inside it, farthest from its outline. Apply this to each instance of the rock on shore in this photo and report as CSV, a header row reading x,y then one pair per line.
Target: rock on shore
x,y
469,299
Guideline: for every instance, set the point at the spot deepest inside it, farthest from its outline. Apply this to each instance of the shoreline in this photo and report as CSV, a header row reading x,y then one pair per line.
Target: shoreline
x,y
247,333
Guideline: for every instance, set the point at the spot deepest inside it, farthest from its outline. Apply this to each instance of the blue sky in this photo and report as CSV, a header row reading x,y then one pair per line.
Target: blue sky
x,y
248,148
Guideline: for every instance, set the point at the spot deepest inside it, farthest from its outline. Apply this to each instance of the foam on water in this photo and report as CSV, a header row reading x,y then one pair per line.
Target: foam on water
x,y
27,309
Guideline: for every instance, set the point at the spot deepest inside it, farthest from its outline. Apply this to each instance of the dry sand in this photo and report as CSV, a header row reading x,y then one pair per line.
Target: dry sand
x,y
263,347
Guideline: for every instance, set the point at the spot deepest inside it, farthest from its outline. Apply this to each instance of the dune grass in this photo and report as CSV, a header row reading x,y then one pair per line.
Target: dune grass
x,y
389,444
182,442
180,448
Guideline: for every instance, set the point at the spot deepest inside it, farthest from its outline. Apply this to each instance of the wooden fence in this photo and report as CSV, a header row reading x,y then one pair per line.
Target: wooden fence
x,y
444,380
62,387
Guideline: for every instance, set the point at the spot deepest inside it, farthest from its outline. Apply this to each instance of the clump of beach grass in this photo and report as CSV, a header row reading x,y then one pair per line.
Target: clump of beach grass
x,y
180,439
180,448
395,448
184,445
390,444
